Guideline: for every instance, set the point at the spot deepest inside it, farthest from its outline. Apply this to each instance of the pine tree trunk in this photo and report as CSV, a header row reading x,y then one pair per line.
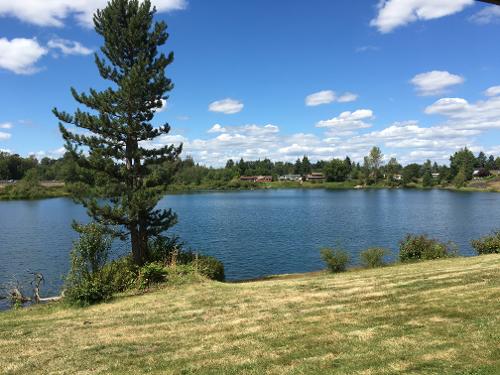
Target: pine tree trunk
x,y
136,246
143,237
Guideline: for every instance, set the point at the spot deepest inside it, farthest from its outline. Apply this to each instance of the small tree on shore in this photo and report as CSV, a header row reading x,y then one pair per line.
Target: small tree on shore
x,y
116,131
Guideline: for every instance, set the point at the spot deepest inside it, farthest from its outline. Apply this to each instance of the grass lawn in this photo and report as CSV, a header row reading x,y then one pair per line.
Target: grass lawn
x,y
438,317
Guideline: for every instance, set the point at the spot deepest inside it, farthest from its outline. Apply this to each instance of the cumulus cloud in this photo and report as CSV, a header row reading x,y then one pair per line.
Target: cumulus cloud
x,y
347,97
460,114
69,47
20,55
56,12
320,97
446,106
53,154
487,15
329,96
227,106
435,82
493,91
6,125
217,128
347,122
395,13
4,136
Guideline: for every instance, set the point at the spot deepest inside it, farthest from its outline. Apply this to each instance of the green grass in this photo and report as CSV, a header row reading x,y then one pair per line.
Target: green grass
x,y
438,317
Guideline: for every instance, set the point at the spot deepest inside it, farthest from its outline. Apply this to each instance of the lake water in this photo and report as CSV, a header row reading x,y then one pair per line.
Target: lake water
x,y
257,233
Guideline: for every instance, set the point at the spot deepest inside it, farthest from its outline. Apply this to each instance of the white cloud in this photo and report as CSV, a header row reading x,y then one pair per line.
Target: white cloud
x,y
347,122
460,114
347,97
396,13
321,97
217,128
53,154
487,15
55,12
6,125
435,82
20,55
447,106
329,96
69,47
493,91
228,106
4,136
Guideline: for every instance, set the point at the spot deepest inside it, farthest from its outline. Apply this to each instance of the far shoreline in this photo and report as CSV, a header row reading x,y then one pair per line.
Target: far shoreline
x,y
60,191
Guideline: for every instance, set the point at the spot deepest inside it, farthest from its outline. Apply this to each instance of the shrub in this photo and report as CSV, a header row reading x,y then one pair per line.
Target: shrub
x,y
151,273
210,267
421,247
120,274
373,258
182,274
488,244
170,251
88,291
85,282
335,259
162,248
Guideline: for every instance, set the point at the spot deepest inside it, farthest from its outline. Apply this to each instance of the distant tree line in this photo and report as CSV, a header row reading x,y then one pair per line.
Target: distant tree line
x,y
373,170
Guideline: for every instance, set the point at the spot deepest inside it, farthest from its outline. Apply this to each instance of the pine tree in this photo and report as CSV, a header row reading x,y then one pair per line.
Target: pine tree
x,y
118,126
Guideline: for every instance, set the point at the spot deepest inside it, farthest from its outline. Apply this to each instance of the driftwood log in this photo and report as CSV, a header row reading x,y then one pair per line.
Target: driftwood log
x,y
16,296
37,282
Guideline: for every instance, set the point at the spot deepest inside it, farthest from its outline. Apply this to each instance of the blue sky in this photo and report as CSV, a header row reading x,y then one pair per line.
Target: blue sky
x,y
276,79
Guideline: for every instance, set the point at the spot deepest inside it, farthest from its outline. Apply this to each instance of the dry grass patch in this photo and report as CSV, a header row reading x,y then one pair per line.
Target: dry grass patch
x,y
438,317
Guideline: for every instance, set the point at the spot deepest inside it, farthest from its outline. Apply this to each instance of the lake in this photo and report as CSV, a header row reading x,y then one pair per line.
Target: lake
x,y
258,233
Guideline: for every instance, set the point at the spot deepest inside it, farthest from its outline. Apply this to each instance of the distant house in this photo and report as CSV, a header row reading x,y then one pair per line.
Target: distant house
x,y
495,172
256,178
435,175
397,177
315,177
248,178
264,179
291,177
480,173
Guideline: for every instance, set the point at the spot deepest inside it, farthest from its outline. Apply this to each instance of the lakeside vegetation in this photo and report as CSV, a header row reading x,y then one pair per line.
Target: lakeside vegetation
x,y
427,318
61,177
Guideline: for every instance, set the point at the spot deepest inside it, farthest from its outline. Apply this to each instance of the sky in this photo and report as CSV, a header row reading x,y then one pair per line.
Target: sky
x,y
274,78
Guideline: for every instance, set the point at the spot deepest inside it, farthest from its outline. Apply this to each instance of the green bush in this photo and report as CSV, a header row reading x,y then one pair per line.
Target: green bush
x,y
488,244
210,267
373,258
120,274
182,274
88,291
335,259
86,283
421,247
162,248
151,273
169,251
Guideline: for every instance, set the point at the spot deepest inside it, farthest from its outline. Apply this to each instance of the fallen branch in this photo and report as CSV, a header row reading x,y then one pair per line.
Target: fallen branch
x,y
37,282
